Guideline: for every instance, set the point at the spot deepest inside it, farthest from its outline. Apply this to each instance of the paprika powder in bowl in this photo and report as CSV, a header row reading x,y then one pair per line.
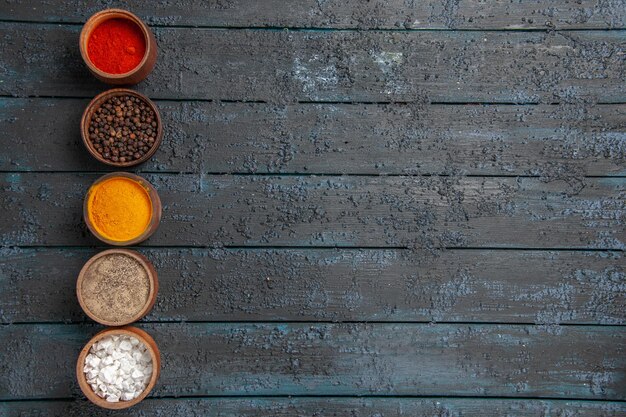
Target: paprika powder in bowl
x,y
118,47
122,209
121,128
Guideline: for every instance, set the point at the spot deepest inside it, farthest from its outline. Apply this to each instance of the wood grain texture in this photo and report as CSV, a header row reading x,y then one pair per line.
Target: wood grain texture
x,y
417,212
573,140
284,407
286,66
387,14
339,359
38,285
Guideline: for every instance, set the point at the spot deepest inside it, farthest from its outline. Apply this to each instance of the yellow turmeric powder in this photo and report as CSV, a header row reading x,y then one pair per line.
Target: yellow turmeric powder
x,y
119,208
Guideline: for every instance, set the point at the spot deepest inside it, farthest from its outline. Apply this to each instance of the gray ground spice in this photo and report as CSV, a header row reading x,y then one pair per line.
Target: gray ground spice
x,y
115,287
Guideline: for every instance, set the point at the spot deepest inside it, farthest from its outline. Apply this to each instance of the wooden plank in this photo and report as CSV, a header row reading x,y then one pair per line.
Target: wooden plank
x,y
327,406
285,66
420,212
339,359
336,138
387,14
337,285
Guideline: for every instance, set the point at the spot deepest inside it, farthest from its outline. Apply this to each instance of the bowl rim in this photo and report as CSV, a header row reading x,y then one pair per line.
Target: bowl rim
x,y
102,16
95,104
155,354
154,199
152,278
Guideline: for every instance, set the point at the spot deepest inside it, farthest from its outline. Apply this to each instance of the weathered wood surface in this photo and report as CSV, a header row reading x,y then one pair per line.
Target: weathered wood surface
x,y
286,66
531,323
206,137
38,285
325,406
387,14
419,212
339,359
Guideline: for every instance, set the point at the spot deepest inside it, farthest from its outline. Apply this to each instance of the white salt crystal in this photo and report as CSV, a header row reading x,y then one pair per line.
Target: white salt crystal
x,y
118,368
125,345
137,374
127,396
146,358
125,365
92,360
105,343
108,374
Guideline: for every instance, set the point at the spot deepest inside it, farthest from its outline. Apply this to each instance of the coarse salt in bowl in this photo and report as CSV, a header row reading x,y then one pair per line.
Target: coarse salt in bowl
x,y
118,367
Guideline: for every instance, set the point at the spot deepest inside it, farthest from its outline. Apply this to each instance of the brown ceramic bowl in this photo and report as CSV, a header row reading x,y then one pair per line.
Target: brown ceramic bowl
x,y
143,337
133,76
156,210
152,294
95,104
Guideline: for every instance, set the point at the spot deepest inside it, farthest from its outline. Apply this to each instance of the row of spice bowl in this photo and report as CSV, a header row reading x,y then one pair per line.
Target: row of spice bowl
x,y
119,366
122,128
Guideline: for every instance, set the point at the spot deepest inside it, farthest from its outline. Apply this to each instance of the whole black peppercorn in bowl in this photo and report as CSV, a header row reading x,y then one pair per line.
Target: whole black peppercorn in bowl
x,y
121,127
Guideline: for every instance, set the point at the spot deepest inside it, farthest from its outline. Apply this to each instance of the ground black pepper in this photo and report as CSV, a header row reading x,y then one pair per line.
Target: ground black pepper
x,y
123,129
115,288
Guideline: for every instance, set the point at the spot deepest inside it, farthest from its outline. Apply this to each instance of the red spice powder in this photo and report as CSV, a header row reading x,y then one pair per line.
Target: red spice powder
x,y
116,46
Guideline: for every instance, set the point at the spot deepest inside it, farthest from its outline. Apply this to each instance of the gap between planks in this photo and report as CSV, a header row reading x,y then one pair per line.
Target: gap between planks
x,y
330,248
427,397
330,102
323,29
318,322
296,174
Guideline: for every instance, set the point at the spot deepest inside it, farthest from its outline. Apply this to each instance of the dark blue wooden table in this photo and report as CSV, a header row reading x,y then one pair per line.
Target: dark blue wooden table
x,y
383,208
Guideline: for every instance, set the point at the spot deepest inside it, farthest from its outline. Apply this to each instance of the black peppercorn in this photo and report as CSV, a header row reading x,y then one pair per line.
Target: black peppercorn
x,y
123,129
